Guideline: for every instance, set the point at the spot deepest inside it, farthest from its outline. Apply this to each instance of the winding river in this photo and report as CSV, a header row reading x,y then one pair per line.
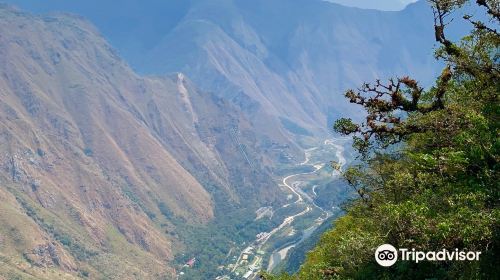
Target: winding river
x,y
302,198
279,255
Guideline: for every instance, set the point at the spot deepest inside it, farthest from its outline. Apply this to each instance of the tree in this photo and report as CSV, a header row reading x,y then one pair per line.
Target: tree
x,y
428,178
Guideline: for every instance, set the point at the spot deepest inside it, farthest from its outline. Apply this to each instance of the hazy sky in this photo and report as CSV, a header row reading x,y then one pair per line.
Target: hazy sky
x,y
386,5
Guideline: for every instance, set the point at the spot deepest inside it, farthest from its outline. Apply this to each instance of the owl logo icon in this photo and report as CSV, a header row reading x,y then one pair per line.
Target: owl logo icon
x,y
386,255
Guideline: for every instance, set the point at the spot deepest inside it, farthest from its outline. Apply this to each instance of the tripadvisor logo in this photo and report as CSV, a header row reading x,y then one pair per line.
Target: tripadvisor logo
x,y
387,255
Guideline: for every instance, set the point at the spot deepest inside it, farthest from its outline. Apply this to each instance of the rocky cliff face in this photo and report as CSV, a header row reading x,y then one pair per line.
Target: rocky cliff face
x,y
95,160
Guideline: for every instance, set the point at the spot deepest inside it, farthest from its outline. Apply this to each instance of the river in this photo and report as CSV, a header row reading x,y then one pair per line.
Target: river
x,y
279,255
303,199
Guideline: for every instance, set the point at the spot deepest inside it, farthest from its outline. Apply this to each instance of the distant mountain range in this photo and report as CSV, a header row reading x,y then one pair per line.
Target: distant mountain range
x,y
383,5
101,166
277,60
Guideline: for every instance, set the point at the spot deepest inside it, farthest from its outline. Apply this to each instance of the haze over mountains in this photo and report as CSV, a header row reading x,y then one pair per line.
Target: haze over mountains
x,y
101,166
383,5
286,59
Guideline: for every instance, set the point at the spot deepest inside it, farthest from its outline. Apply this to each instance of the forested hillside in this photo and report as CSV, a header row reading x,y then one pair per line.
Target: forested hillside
x,y
429,173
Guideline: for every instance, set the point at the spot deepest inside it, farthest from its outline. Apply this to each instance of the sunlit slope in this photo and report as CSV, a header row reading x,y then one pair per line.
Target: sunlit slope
x,y
96,160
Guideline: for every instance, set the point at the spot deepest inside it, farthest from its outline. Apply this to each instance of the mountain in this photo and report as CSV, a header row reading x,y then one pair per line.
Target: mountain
x,y
285,64
292,59
384,5
98,163
110,173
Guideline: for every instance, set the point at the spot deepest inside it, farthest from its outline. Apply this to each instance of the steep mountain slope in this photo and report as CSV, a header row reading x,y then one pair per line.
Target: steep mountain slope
x,y
285,64
96,162
294,59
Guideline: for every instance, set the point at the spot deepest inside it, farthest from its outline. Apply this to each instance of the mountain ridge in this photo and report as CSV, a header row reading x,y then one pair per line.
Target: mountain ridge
x,y
107,166
274,59
98,163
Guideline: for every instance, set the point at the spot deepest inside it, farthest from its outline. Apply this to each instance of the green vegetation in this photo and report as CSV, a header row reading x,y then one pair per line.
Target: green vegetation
x,y
331,194
76,248
297,254
211,243
429,173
